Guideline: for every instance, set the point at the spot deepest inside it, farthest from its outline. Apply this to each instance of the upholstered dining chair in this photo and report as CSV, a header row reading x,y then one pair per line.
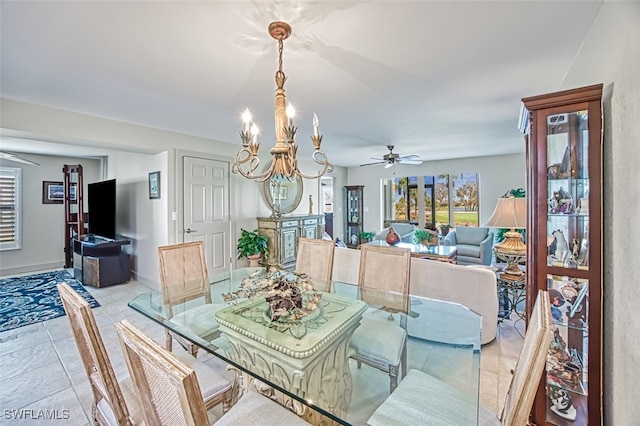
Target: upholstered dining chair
x,y
170,391
411,401
114,402
183,278
315,258
380,340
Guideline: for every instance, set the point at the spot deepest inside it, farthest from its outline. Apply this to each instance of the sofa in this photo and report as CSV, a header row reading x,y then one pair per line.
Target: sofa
x,y
474,245
474,288
405,230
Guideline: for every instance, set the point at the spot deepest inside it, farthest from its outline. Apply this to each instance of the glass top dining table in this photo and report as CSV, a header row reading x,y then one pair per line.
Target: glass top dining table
x,y
308,361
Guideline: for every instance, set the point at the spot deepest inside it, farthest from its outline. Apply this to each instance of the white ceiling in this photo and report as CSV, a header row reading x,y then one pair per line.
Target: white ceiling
x,y
438,79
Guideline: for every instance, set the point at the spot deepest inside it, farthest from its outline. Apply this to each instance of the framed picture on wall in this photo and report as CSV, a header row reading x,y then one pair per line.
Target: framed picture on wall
x,y
154,185
52,192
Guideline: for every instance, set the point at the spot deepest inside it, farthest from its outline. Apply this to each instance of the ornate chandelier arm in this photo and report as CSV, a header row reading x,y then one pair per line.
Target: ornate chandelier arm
x,y
320,158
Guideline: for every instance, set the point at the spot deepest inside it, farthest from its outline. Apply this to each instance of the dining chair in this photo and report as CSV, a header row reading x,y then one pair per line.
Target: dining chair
x,y
423,399
380,340
114,402
184,278
315,258
170,391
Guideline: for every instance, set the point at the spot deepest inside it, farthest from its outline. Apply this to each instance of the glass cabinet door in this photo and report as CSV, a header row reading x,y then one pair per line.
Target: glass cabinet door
x,y
353,213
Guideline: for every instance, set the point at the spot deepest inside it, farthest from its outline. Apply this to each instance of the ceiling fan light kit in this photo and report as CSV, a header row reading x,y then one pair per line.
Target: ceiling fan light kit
x,y
284,162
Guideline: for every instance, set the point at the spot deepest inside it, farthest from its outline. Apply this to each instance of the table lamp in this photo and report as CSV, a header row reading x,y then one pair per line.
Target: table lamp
x,y
510,213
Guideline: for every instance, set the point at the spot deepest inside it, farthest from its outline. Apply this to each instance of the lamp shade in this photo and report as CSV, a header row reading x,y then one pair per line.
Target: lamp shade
x,y
510,212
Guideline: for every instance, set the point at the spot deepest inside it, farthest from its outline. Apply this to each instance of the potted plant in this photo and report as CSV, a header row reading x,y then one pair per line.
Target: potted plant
x,y
424,236
253,246
365,237
444,229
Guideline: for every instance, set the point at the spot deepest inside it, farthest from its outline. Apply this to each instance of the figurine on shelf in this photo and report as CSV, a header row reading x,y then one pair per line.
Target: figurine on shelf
x,y
561,202
562,247
562,404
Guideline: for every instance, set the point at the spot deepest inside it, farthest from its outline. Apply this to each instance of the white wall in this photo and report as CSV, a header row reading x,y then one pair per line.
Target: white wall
x,y
142,220
497,174
43,224
611,55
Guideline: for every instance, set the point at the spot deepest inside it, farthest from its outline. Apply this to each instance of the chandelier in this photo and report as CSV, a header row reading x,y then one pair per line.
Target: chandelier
x,y
284,163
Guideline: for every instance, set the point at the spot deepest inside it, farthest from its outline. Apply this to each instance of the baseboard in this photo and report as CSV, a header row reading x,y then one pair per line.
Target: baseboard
x,y
30,268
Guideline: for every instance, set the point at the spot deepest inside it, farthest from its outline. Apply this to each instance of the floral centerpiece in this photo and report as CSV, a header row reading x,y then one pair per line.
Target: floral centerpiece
x,y
291,295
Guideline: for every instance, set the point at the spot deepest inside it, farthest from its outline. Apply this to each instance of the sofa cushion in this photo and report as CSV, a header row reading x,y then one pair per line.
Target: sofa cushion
x,y
471,235
468,250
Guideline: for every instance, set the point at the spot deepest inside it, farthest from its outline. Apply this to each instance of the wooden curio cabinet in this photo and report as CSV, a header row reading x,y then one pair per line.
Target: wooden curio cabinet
x,y
564,248
353,214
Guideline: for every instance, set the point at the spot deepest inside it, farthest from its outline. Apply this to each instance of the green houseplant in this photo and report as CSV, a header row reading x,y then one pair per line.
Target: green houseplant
x,y
253,246
424,236
365,236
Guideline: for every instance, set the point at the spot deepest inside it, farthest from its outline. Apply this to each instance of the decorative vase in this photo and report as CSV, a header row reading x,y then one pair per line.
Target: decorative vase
x,y
392,237
254,260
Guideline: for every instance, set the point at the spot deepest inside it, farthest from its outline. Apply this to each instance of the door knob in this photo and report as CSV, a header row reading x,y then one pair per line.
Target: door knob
x,y
189,230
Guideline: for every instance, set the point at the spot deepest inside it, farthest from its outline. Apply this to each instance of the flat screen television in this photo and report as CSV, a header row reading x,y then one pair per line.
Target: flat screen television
x,y
101,199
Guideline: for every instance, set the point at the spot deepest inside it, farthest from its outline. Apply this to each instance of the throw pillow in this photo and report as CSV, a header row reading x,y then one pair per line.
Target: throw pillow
x,y
340,243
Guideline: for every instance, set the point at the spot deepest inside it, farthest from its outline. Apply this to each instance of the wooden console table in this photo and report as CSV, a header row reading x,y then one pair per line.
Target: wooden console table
x,y
283,233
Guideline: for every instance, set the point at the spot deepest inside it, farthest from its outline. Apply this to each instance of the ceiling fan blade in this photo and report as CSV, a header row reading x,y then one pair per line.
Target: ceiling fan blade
x,y
410,157
416,162
389,165
372,164
13,157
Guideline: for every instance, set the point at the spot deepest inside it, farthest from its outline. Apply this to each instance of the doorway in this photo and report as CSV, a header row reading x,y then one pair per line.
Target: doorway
x,y
326,192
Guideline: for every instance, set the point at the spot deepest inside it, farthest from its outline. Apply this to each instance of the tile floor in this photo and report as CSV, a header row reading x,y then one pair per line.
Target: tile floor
x,y
40,367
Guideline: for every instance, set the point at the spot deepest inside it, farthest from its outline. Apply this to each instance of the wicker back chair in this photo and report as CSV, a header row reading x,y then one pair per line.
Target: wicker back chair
x,y
184,277
108,405
315,258
170,392
383,281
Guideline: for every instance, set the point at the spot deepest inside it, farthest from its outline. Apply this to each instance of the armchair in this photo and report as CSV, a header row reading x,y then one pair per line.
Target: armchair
x,y
474,245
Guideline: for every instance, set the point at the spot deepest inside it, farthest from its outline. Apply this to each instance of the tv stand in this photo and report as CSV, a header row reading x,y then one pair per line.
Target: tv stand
x,y
99,261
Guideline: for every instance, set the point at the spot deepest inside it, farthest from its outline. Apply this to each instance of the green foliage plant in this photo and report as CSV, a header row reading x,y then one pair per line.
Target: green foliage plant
x,y
251,242
366,235
419,235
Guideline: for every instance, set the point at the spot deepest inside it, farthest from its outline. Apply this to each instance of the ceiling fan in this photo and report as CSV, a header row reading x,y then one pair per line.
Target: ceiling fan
x,y
392,158
14,157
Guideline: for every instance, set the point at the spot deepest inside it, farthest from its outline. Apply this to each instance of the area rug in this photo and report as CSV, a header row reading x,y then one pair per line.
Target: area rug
x,y
34,298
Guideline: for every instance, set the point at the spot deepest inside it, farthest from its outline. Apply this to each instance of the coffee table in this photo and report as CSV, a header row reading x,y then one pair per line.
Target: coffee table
x,y
447,254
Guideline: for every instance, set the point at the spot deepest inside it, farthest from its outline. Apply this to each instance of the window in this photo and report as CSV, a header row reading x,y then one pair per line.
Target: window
x,y
10,183
447,199
464,192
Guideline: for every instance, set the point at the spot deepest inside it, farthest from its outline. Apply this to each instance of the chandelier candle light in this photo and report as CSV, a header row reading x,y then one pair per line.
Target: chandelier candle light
x,y
284,162
510,213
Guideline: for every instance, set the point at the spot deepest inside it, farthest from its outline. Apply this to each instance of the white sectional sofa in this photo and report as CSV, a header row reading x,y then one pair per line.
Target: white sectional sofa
x,y
475,288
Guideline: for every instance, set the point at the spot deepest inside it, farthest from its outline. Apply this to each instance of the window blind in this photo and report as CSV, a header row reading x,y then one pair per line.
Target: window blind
x,y
9,208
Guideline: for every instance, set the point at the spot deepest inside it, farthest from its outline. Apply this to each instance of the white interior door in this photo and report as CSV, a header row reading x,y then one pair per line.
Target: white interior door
x,y
206,210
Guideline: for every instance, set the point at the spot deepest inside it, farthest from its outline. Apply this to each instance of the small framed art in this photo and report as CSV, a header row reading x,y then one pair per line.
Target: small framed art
x,y
52,192
154,185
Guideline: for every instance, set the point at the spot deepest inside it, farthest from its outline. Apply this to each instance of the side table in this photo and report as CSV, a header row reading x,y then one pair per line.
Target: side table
x,y
511,294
